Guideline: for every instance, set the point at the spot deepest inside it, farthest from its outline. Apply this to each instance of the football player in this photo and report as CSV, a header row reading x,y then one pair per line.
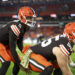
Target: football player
x,y
12,34
58,49
51,53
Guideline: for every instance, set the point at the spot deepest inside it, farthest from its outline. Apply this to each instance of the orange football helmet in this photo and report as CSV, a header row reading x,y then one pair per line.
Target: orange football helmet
x,y
69,31
27,16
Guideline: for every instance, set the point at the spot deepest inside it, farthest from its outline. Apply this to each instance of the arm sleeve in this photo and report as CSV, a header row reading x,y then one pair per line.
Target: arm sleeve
x,y
12,44
66,46
20,43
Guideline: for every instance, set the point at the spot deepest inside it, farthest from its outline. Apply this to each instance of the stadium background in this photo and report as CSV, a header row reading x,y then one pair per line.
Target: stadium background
x,y
52,15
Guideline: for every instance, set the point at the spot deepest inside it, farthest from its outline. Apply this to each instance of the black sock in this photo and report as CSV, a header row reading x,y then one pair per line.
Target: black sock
x,y
4,67
57,72
15,69
47,71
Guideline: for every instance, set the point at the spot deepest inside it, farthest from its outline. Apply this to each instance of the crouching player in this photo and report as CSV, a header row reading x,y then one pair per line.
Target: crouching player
x,y
28,61
12,34
42,56
51,53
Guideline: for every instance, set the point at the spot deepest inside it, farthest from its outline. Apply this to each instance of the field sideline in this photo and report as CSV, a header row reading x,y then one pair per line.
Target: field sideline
x,y
9,72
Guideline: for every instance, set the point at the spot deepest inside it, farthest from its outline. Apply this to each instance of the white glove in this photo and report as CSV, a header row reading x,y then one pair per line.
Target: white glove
x,y
72,64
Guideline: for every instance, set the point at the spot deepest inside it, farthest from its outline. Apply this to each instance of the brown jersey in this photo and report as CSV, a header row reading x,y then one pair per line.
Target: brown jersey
x,y
12,34
45,48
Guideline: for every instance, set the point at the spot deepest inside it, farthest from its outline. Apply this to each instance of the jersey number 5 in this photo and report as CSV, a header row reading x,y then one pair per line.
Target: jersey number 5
x,y
46,43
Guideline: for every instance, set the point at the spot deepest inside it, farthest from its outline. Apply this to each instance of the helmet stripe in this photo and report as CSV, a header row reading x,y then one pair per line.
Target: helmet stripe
x,y
33,12
15,30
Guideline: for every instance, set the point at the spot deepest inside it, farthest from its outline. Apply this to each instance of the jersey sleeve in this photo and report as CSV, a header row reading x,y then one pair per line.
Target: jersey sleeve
x,y
12,44
65,46
20,43
15,30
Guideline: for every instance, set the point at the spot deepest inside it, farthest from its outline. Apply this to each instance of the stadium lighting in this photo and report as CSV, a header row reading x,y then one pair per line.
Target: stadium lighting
x,y
38,25
14,16
72,14
53,15
4,0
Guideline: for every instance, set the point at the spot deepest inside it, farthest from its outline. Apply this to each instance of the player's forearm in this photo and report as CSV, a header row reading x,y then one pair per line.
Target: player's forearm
x,y
15,56
65,68
14,53
12,43
20,43
67,73
63,64
69,60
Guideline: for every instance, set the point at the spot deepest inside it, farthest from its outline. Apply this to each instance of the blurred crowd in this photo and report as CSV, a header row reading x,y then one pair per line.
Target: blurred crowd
x,y
41,33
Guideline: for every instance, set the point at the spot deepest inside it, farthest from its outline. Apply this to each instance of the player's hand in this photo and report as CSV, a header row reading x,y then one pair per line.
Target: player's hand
x,y
24,69
72,64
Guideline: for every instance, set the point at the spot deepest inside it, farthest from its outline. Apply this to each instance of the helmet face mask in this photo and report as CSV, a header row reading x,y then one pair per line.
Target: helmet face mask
x,y
27,16
30,21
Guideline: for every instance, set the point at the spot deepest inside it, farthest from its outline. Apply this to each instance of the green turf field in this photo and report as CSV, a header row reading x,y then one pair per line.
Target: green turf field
x,y
33,73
